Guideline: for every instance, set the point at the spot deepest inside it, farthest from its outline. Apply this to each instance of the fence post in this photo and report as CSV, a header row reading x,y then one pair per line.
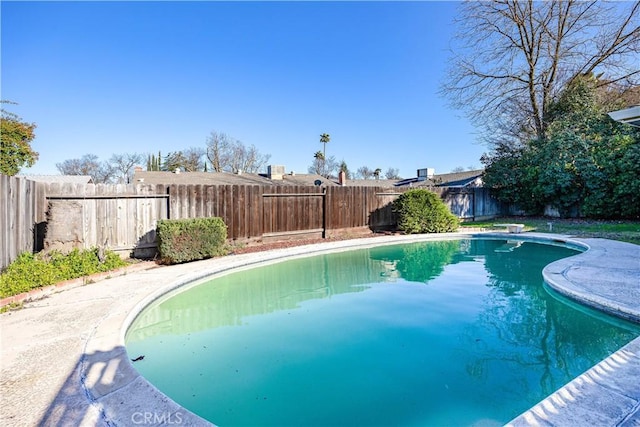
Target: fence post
x,y
324,213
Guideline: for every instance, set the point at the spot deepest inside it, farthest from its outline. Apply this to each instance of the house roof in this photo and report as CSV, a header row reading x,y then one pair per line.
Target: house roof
x,y
371,182
60,179
205,178
307,179
630,116
454,179
459,179
227,178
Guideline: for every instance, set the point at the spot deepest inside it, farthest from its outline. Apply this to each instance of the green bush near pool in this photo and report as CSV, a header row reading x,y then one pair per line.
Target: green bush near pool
x,y
183,240
422,211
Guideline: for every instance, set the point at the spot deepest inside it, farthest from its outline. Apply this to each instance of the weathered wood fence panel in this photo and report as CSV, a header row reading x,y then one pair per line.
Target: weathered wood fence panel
x,y
121,217
486,206
21,215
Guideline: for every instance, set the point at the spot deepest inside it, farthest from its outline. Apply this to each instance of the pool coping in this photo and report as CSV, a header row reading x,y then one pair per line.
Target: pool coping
x,y
605,277
115,393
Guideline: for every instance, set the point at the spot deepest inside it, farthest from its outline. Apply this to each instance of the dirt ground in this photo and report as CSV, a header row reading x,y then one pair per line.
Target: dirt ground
x,y
261,245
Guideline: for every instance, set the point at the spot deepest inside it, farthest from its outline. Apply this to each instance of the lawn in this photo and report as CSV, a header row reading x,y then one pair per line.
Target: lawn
x,y
625,231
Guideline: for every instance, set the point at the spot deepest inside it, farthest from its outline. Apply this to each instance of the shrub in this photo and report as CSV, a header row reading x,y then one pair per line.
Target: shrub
x,y
183,240
422,211
31,271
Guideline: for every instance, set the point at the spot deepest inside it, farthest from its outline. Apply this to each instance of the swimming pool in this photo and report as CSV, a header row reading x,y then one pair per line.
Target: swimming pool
x,y
451,332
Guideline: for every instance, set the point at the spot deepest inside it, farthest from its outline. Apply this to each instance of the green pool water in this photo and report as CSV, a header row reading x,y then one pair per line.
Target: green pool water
x,y
456,332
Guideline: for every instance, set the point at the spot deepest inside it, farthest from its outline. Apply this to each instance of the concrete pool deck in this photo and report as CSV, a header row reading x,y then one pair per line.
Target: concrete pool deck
x,y
64,363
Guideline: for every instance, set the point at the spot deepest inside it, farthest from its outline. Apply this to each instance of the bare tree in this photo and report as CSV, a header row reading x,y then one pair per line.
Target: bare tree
x,y
392,173
364,172
217,149
331,167
514,56
193,159
89,164
229,154
123,164
326,167
246,159
317,167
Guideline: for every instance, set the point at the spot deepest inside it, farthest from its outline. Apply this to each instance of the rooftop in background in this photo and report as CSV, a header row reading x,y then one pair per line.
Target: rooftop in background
x,y
458,179
471,178
224,178
59,179
630,116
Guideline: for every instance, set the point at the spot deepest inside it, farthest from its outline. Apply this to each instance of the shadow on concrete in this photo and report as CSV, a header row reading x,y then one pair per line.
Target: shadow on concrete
x,y
105,390
75,403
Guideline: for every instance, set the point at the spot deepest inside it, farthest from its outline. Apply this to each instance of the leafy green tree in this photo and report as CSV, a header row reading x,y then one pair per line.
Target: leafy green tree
x,y
154,162
16,136
344,168
586,165
324,140
173,161
321,164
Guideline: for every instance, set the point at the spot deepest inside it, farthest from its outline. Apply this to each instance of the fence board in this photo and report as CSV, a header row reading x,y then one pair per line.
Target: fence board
x,y
20,201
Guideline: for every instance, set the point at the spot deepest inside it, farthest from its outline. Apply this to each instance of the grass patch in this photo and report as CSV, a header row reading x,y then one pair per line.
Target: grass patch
x,y
624,231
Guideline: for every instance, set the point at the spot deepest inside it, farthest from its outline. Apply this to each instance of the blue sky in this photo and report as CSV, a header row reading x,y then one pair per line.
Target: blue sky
x,y
138,77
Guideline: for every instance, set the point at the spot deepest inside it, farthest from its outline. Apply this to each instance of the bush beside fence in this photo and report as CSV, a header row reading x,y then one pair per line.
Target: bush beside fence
x,y
183,240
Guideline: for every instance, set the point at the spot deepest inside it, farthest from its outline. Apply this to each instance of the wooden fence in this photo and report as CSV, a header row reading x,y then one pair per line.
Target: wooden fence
x,y
124,217
253,212
121,217
22,207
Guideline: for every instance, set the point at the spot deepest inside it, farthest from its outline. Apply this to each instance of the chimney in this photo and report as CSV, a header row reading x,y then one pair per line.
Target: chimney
x,y
426,173
275,172
342,178
136,170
